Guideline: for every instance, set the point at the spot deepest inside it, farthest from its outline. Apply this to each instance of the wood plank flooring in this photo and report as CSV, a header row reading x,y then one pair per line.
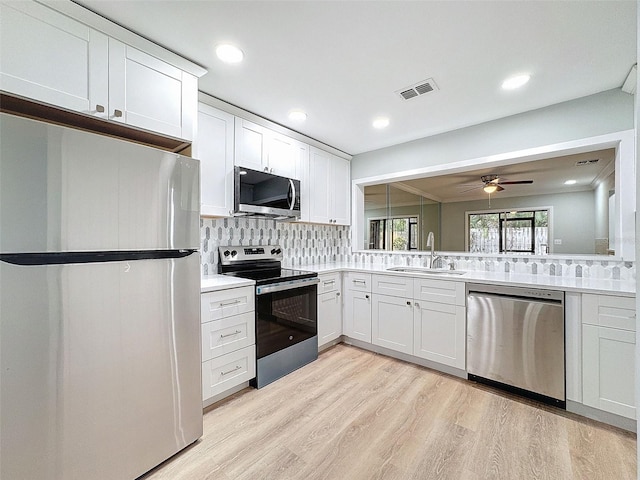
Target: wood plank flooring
x,y
354,415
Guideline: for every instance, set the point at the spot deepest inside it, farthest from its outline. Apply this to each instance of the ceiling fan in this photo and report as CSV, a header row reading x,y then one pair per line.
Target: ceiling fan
x,y
493,183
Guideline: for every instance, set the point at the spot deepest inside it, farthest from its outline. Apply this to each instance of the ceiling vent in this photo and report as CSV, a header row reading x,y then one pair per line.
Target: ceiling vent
x,y
418,89
580,163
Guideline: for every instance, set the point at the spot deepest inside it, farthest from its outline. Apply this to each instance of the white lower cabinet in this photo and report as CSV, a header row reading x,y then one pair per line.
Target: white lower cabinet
x,y
227,371
439,333
329,308
392,323
608,353
357,306
228,340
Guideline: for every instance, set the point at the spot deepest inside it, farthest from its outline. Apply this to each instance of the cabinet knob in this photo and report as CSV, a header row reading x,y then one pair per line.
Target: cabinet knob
x,y
337,294
100,108
417,304
266,169
408,303
117,113
366,296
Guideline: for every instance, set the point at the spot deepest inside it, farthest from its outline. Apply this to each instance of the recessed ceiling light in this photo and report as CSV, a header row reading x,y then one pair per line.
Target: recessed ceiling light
x,y
515,82
297,115
229,53
570,182
380,122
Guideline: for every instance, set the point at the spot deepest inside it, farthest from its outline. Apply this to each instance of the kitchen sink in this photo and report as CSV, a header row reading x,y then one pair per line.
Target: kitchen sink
x,y
426,271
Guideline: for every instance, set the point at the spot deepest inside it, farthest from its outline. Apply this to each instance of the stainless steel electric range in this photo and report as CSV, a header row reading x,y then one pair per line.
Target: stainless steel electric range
x,y
286,309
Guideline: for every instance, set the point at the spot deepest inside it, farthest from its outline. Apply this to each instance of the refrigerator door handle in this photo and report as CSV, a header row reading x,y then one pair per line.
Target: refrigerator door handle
x,y
58,258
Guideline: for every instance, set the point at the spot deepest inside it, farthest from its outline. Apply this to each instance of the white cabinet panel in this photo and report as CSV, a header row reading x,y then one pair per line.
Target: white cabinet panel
x,y
440,333
260,148
392,323
214,148
48,57
440,291
227,371
357,315
330,282
225,303
608,369
228,334
54,59
327,196
608,353
396,286
329,317
357,281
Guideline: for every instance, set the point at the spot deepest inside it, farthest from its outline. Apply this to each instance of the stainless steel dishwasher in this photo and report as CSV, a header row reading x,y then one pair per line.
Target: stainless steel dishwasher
x,y
515,340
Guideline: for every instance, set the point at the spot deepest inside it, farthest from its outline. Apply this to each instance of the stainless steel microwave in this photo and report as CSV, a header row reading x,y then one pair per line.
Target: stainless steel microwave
x,y
265,194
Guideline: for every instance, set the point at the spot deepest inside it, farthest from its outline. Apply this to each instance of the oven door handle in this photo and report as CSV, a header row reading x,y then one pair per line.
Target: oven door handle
x,y
279,287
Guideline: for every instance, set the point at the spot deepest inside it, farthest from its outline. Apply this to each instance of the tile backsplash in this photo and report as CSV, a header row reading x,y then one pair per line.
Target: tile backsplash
x,y
301,243
305,244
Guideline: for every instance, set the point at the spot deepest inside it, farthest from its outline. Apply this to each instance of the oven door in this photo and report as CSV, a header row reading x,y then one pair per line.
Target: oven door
x,y
285,315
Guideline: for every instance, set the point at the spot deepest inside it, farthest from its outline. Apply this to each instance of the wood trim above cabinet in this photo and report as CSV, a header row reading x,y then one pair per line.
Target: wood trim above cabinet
x,y
22,107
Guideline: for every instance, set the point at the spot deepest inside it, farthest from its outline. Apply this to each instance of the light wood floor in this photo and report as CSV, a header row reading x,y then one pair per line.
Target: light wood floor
x,y
354,415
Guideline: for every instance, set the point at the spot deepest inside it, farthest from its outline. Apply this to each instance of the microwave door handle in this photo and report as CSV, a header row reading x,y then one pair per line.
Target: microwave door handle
x,y
292,189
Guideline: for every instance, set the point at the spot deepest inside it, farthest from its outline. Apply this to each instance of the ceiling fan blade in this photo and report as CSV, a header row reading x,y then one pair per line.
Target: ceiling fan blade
x,y
470,189
499,189
517,182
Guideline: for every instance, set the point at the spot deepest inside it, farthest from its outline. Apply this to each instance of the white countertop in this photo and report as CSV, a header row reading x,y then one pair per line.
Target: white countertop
x,y
568,284
213,283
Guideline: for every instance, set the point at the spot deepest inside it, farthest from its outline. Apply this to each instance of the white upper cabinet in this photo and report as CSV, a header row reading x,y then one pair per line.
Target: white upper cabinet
x,y
148,93
259,148
213,146
47,56
51,58
326,195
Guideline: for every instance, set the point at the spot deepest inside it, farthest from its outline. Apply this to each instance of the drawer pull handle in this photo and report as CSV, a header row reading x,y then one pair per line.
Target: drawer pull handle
x,y
230,334
232,302
329,282
238,367
355,280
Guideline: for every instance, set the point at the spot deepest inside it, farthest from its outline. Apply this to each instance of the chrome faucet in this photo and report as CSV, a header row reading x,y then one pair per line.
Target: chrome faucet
x,y
431,243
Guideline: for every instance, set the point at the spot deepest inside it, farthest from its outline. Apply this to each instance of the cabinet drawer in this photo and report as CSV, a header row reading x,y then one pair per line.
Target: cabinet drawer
x,y
609,311
357,281
440,291
228,334
226,303
396,286
227,371
329,282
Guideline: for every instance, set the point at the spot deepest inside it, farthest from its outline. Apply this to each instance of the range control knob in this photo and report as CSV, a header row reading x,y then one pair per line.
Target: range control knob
x,y
226,253
278,251
234,253
273,251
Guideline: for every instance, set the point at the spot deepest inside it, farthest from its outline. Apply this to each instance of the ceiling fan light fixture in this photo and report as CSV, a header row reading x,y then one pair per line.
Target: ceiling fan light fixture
x,y
491,188
229,53
516,81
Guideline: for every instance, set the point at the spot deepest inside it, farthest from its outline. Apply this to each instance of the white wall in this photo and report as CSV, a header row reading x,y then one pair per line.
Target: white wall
x,y
606,112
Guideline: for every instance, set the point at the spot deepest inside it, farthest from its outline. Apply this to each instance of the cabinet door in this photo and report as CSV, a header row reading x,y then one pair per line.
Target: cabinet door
x,y
146,92
318,184
283,155
440,333
329,317
608,360
214,148
341,190
53,59
357,315
250,145
392,323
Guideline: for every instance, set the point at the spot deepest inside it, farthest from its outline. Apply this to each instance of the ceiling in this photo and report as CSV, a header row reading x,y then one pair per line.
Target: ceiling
x,y
548,177
343,61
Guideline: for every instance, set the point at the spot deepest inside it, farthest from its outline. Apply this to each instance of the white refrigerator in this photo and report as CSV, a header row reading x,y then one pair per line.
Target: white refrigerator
x,y
99,304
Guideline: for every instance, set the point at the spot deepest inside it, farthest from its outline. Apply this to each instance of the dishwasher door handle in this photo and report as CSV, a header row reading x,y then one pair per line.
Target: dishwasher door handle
x,y
516,298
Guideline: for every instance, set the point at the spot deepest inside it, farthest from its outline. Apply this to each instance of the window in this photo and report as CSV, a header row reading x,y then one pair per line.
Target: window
x,y
520,231
395,233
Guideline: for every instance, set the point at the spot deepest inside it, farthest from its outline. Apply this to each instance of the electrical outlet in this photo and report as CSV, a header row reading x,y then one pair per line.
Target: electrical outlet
x,y
557,241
